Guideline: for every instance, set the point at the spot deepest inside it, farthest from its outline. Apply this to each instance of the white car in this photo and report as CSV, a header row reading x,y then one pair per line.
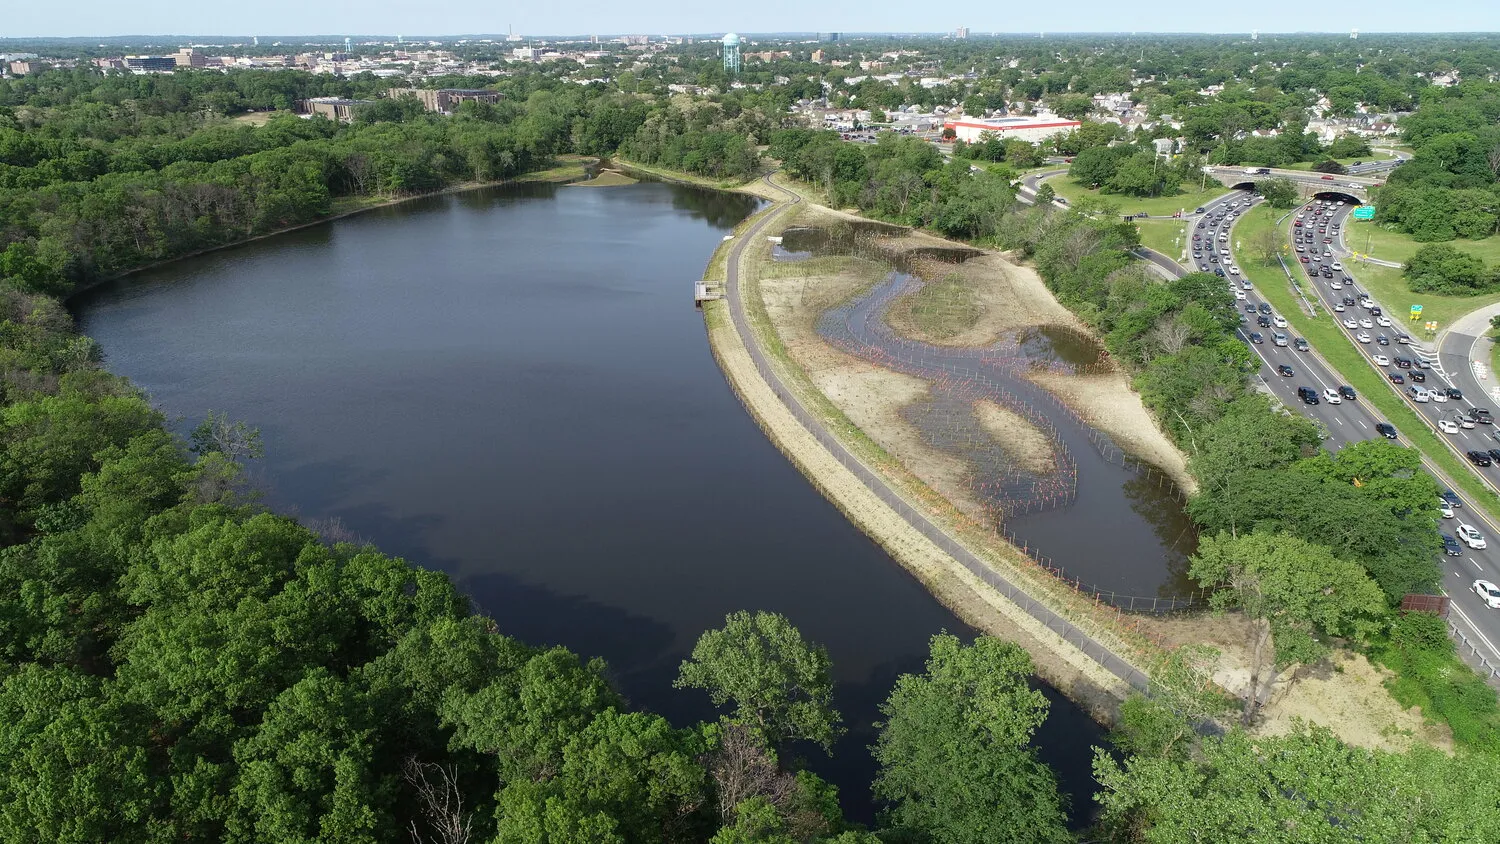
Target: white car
x,y
1332,396
1447,426
1445,509
1438,396
1233,270
1381,360
1471,537
1239,294
1335,285
1366,323
1337,266
1383,321
1338,307
1279,321
1488,592
1351,322
1363,337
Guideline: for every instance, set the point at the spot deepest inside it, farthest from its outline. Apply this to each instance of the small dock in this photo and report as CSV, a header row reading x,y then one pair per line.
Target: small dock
x,y
707,291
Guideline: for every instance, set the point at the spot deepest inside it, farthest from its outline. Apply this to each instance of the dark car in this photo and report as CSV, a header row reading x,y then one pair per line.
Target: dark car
x,y
1346,392
1299,344
1455,393
1265,307
1403,363
1308,395
1451,497
1199,211
1383,340
1417,376
1481,415
1256,338
1249,309
1397,378
1479,458
1385,429
1263,321
1451,546
1494,453
1375,310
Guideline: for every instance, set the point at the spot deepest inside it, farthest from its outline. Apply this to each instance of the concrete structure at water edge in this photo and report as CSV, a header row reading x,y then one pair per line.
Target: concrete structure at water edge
x,y
1030,129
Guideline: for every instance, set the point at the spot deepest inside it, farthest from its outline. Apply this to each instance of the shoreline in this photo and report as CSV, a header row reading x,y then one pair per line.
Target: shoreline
x,y
461,187
1066,665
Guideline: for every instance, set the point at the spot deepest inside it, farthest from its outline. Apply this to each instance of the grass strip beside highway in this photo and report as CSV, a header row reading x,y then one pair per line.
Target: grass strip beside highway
x,y
1338,348
1165,236
1156,206
1373,239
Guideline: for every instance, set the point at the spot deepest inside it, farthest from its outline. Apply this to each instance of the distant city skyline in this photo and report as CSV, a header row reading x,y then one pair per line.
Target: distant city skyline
x,y
85,18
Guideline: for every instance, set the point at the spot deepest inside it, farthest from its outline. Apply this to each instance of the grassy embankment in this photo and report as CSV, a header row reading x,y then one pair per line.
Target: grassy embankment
x,y
1156,206
1337,346
941,308
1165,236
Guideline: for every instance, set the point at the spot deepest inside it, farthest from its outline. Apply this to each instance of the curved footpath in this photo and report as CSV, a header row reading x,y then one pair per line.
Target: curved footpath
x,y
901,528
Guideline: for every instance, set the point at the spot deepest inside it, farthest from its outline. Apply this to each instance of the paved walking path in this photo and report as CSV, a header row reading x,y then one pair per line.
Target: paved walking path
x,y
1093,649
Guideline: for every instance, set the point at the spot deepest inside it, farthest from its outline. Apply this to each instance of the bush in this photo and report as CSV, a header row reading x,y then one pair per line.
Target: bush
x,y
1440,268
1434,678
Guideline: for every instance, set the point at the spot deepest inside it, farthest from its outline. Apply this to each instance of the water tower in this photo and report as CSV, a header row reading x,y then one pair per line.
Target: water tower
x,y
731,53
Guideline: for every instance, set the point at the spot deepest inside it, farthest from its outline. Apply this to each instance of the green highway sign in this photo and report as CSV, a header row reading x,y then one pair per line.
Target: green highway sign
x,y
1364,212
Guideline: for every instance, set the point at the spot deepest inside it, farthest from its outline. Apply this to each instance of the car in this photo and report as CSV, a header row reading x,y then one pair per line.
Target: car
x,y
1284,371
1335,285
1494,453
1455,393
1439,396
1464,421
1383,321
1351,323
1328,178
1481,415
1397,378
1451,546
1239,294
1233,270
1303,259
1386,429
1447,426
1487,592
1338,307
1403,363
1347,392
1417,376
1380,360
1417,394
1278,339
1445,509
1365,323
1363,337
1265,308
1256,338
1403,338
1470,536
1479,458
1421,364
1199,211
1337,265
1332,396
1299,344
1250,309
1383,340
1279,321
1246,285
1263,321
1308,395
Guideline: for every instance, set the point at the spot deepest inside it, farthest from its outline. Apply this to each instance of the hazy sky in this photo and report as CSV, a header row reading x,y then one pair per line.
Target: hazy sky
x,y
24,18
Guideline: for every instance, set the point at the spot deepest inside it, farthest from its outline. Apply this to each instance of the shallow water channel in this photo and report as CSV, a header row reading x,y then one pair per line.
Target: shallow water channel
x,y
1112,523
512,385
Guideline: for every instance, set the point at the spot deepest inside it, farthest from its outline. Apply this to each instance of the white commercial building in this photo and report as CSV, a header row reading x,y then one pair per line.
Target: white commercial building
x,y
1029,129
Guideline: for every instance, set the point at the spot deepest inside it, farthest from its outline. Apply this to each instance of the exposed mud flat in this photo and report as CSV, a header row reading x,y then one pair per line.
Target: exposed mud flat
x,y
1007,297
1022,441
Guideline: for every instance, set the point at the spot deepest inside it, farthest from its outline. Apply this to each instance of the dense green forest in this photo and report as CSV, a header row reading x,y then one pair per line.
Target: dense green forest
x,y
176,662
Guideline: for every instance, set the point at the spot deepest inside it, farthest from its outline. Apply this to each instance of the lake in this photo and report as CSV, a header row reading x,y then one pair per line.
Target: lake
x,y
512,385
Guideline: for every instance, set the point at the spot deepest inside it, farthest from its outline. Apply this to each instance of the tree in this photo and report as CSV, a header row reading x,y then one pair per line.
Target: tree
x,y
233,439
778,683
1440,268
1328,165
1304,786
956,762
1045,195
1269,245
1279,193
1293,591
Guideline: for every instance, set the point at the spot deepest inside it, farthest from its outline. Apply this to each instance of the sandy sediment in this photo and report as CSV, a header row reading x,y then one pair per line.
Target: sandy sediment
x,y
1107,402
1008,297
1023,442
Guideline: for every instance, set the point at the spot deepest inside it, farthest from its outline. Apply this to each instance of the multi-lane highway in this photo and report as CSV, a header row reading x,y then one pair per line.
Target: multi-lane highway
x,y
1347,421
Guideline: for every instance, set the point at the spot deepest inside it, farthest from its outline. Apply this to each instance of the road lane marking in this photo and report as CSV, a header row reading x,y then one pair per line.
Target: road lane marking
x,y
1474,627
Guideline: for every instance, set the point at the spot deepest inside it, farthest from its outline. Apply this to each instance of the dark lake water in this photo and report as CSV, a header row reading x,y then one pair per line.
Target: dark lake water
x,y
512,386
